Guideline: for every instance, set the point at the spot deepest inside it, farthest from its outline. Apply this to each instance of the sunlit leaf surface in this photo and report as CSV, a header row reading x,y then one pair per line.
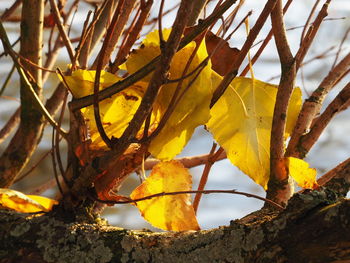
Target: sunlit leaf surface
x,y
302,173
243,128
173,212
20,202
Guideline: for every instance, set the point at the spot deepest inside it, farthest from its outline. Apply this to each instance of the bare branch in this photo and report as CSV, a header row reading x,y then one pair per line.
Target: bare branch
x,y
280,189
312,106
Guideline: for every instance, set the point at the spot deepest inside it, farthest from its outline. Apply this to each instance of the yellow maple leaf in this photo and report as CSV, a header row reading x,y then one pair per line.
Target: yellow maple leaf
x,y
243,129
173,212
20,202
302,173
193,108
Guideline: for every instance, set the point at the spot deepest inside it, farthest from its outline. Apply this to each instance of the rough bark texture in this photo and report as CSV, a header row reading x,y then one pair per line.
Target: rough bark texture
x,y
315,227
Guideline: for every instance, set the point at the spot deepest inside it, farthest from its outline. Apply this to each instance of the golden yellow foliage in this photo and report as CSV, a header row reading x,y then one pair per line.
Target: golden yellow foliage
x,y
173,212
301,173
193,107
243,128
116,112
20,202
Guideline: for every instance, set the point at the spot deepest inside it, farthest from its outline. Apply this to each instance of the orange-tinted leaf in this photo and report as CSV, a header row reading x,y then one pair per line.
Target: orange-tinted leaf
x,y
173,212
20,202
301,173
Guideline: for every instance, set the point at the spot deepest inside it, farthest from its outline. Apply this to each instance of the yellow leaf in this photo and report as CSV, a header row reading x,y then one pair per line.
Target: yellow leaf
x,y
244,129
147,51
173,212
301,173
24,203
193,108
116,112
81,82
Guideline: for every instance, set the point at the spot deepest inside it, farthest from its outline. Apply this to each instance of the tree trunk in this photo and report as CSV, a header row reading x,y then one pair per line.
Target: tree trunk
x,y
315,227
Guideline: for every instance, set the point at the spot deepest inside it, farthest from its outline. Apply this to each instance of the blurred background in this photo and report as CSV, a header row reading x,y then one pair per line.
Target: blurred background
x,y
215,209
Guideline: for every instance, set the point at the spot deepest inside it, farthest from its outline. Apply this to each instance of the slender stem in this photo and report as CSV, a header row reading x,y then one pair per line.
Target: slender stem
x,y
204,178
312,106
188,162
192,192
337,105
310,35
264,43
62,31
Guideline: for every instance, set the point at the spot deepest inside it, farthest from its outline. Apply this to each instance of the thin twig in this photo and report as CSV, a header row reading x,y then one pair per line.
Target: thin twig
x,y
310,35
264,43
191,192
340,47
132,36
63,34
27,83
187,162
10,125
10,10
204,178
337,105
100,63
312,106
308,21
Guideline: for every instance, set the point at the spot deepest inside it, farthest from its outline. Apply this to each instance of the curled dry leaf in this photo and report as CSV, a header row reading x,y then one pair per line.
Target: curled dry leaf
x,y
224,55
173,212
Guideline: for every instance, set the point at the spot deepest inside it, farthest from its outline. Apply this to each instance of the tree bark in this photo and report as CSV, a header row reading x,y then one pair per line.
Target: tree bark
x,y
315,227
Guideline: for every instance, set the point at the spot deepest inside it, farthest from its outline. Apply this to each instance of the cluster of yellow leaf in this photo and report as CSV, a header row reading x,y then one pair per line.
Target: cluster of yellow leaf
x,y
20,202
240,122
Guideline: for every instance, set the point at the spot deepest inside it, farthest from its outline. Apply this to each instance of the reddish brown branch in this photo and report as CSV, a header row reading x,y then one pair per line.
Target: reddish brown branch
x,y
10,125
8,12
337,105
310,35
312,106
212,158
264,43
279,187
332,173
188,162
63,34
